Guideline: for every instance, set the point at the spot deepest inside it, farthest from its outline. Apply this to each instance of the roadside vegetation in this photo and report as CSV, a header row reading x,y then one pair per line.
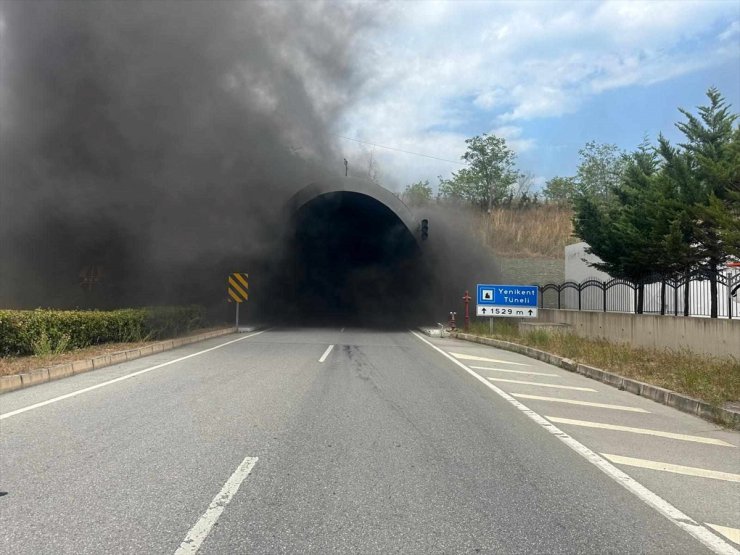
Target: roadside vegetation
x,y
659,212
51,332
711,379
10,365
534,231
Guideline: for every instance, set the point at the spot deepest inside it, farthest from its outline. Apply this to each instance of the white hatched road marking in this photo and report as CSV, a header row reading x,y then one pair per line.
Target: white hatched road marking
x,y
122,378
484,359
680,519
538,384
674,468
732,534
326,353
515,371
192,542
583,403
644,431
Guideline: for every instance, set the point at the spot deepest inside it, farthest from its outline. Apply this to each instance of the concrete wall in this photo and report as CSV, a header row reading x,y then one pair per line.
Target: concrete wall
x,y
701,335
577,264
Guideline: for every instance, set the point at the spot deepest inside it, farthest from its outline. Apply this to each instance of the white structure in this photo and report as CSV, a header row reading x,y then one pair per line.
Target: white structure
x,y
621,297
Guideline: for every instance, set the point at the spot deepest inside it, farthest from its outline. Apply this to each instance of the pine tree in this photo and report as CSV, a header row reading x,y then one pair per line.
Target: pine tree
x,y
712,157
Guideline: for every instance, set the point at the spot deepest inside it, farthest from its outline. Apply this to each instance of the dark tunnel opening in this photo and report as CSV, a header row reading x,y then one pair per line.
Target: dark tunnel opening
x,y
352,261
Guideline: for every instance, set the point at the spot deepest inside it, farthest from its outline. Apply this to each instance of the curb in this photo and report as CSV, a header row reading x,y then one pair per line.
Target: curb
x,y
43,375
660,395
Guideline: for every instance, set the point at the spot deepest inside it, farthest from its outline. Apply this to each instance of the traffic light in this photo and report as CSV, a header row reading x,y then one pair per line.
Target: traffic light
x,y
424,229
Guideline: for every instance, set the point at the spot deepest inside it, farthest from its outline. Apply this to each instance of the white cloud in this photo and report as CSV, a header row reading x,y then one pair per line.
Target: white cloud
x,y
444,71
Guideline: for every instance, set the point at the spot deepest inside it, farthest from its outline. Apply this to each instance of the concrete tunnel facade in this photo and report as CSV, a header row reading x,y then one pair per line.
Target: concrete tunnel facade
x,y
354,255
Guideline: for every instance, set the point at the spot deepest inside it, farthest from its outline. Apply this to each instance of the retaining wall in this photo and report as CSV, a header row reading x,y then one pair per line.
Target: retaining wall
x,y
711,336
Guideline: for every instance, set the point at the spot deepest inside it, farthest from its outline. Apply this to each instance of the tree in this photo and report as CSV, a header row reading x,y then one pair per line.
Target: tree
x,y
560,190
600,170
417,194
711,158
490,174
627,230
673,210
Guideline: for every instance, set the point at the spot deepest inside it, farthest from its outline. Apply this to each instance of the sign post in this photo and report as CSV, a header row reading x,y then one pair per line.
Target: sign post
x,y
466,299
509,301
238,290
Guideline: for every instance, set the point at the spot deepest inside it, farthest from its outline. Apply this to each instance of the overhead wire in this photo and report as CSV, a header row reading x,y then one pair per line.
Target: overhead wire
x,y
400,150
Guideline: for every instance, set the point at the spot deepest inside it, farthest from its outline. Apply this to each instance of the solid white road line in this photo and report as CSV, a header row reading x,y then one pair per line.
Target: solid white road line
x,y
683,521
644,431
582,403
122,378
538,384
732,534
514,371
198,533
326,353
484,359
674,468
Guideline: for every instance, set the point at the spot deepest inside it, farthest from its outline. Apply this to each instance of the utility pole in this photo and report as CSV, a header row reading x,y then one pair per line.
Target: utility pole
x,y
346,167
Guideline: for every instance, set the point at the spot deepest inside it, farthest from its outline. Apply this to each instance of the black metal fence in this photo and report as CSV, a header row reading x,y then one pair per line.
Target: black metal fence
x,y
687,296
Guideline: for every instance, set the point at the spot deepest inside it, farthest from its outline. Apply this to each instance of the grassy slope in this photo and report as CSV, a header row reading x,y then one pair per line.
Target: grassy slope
x,y
529,243
710,379
529,246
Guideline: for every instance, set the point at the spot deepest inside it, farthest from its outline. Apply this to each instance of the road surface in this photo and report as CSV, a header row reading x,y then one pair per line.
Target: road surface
x,y
357,441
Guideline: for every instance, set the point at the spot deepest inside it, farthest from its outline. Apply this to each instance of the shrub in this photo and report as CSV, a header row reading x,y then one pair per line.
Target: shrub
x,y
24,332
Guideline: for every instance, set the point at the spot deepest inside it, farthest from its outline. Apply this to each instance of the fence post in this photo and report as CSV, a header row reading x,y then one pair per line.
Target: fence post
x,y
686,299
675,298
559,289
729,296
662,297
635,298
579,296
603,290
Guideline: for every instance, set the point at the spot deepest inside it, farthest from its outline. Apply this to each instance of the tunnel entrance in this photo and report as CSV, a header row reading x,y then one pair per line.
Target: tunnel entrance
x,y
352,261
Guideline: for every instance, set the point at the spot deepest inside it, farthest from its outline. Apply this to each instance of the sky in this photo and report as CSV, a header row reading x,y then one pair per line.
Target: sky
x,y
546,76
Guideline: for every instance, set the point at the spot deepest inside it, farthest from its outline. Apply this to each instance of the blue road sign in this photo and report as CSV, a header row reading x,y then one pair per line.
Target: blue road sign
x,y
508,295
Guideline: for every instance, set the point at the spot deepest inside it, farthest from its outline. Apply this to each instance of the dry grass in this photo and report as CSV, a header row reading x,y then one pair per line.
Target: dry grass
x,y
19,365
711,379
535,232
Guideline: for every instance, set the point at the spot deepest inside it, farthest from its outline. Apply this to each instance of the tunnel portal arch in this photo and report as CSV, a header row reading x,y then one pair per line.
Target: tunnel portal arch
x,y
353,255
359,186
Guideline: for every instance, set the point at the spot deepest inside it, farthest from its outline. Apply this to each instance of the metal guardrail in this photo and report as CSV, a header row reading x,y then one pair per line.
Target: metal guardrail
x,y
689,295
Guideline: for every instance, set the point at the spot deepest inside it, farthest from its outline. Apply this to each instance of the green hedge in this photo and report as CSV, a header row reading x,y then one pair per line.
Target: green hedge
x,y
24,332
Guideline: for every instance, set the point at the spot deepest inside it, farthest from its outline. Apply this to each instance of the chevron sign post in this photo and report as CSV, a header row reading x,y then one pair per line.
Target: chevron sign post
x,y
238,290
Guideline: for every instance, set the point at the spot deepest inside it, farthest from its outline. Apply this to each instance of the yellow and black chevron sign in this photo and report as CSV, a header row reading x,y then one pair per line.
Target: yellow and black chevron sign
x,y
239,286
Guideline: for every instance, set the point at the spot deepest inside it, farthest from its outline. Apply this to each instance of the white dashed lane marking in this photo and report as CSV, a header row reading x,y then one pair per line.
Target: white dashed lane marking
x,y
192,542
674,468
732,534
538,384
484,359
326,353
644,431
582,403
528,372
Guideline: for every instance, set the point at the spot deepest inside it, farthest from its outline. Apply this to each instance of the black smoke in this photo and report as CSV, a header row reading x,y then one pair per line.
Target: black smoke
x,y
153,146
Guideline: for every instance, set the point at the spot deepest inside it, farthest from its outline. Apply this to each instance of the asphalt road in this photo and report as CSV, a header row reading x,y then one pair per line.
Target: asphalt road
x,y
275,443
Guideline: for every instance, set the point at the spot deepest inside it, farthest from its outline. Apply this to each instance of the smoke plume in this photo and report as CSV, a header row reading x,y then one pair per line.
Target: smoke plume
x,y
149,148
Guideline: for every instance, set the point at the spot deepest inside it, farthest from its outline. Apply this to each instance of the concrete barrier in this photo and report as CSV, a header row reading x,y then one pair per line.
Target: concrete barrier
x,y
706,336
42,375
